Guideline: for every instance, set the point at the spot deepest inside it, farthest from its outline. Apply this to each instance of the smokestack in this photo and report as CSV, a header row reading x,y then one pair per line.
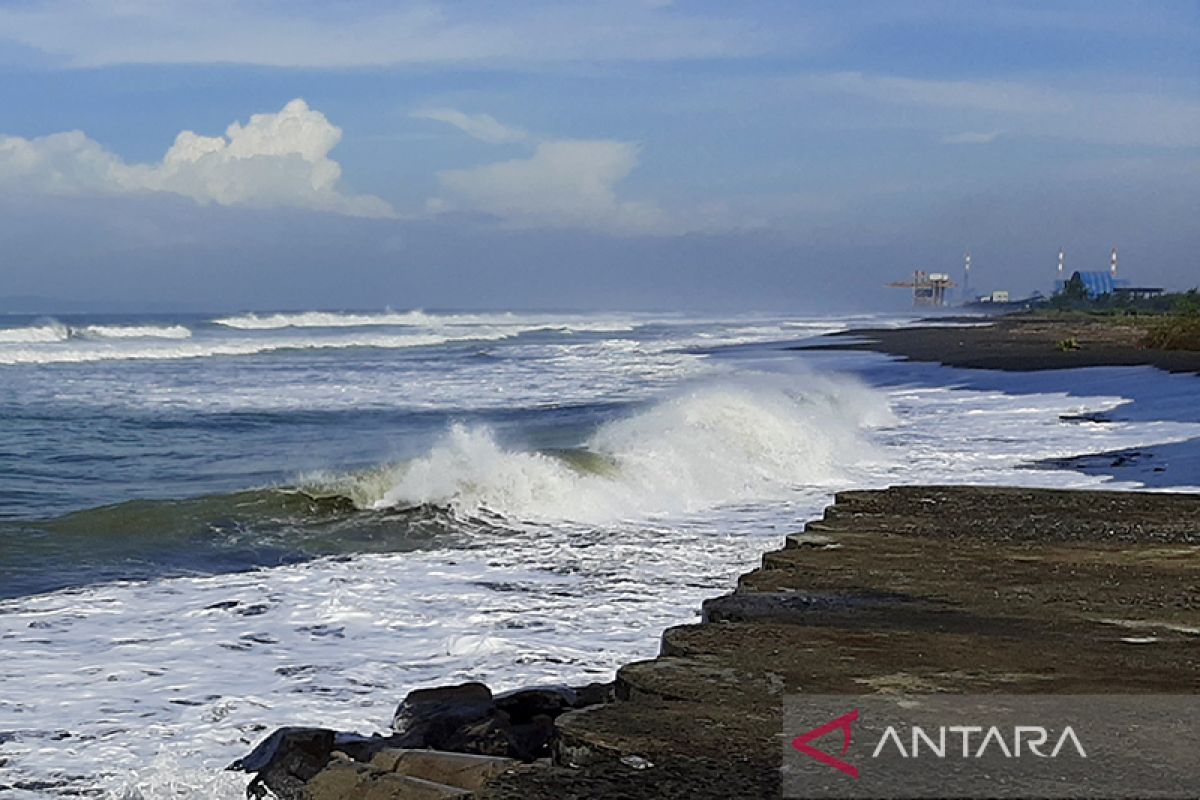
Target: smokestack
x,y
1113,263
1060,264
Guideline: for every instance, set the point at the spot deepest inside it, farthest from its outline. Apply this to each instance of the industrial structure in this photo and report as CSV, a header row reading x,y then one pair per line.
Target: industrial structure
x,y
965,292
928,288
1098,283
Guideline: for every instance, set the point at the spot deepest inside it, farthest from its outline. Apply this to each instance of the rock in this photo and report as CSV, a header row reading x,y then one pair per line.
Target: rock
x,y
289,757
461,770
286,760
522,705
428,717
593,694
345,779
468,719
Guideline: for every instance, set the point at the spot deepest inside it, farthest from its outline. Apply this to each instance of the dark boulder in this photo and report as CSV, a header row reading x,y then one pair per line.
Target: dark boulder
x,y
289,757
286,760
429,717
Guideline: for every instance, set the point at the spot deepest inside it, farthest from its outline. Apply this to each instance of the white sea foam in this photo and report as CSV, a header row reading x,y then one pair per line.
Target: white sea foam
x,y
128,348
419,318
35,334
321,319
132,332
160,684
705,447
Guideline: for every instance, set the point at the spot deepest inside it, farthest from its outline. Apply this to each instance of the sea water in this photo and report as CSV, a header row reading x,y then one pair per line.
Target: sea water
x,y
214,525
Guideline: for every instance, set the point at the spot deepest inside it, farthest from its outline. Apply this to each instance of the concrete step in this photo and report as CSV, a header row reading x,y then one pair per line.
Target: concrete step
x,y
461,770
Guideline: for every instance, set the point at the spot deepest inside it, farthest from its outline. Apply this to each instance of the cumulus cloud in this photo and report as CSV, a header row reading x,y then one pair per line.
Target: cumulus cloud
x,y
483,127
564,183
278,160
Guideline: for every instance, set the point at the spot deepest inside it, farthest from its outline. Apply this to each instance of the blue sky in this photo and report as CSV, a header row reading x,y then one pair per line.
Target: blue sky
x,y
625,153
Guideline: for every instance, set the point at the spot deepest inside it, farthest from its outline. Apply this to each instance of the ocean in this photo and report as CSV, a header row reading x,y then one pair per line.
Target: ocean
x,y
213,525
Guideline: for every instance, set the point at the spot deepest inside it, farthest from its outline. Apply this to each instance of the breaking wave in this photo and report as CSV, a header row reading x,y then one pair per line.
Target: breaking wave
x,y
90,351
708,447
321,319
35,334
418,318
132,332
53,331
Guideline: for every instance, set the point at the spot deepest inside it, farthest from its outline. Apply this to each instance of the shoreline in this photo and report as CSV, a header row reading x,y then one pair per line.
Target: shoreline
x,y
908,590
1017,343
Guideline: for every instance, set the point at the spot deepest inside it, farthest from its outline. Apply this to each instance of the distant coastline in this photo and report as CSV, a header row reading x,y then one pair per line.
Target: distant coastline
x,y
1024,342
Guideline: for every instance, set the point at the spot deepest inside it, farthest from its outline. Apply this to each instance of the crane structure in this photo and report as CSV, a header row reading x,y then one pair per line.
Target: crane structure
x,y
928,288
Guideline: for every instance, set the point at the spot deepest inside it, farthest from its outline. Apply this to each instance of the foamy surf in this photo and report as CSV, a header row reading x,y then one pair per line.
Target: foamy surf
x,y
130,349
596,489
419,318
701,448
35,334
132,332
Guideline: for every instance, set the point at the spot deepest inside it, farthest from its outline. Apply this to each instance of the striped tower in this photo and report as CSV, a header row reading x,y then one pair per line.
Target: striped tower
x,y
966,287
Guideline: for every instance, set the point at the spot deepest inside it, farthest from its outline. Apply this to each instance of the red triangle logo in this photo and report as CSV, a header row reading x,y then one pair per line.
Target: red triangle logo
x,y
843,723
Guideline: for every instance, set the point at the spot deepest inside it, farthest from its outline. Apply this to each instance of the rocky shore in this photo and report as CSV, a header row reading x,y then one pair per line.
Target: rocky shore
x,y
1019,342
905,590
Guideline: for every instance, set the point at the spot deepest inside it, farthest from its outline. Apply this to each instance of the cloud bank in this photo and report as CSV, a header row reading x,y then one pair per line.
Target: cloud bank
x,y
91,33
276,160
565,183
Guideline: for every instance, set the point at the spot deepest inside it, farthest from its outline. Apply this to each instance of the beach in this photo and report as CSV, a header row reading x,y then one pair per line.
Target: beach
x,y
1022,342
962,590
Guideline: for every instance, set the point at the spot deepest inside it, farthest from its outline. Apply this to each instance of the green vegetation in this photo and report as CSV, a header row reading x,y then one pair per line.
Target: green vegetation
x,y
1174,332
1170,321
1073,297
1068,344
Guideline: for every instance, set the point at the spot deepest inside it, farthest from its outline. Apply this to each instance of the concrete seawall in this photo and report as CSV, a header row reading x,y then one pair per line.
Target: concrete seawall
x,y
906,590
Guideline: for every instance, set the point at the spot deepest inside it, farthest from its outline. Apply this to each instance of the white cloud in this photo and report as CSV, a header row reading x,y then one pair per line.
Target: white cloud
x,y
565,183
971,137
1025,109
274,161
483,127
89,33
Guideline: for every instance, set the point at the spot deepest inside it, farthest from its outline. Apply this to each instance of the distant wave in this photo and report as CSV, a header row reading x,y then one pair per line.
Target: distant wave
x,y
121,349
52,331
418,318
710,447
35,334
132,332
321,319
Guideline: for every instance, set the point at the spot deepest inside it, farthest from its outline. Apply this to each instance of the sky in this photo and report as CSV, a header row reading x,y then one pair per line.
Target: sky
x,y
640,154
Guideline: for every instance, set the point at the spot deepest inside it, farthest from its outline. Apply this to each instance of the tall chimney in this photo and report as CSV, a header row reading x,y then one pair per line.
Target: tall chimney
x,y
1113,263
1060,264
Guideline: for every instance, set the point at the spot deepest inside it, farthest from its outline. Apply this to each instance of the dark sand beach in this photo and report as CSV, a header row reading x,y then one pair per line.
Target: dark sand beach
x,y
1019,342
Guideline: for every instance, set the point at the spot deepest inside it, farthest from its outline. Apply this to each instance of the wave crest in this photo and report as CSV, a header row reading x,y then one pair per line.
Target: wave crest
x,y
708,447
45,333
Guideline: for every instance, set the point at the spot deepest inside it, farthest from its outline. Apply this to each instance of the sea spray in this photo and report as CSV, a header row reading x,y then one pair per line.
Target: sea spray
x,y
704,447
